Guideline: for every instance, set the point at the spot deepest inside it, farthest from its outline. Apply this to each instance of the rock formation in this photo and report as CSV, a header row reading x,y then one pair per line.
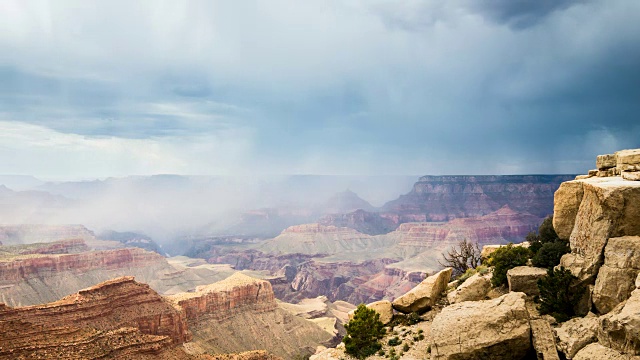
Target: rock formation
x,y
424,295
382,307
490,329
525,279
473,289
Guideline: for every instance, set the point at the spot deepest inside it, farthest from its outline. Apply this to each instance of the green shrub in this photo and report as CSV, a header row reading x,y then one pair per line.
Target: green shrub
x,y
505,258
363,333
394,341
559,294
405,348
550,253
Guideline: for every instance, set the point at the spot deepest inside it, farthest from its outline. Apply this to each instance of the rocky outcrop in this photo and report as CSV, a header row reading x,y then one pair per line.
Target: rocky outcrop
x,y
115,318
616,278
609,207
473,289
575,334
525,279
424,295
441,198
490,329
238,293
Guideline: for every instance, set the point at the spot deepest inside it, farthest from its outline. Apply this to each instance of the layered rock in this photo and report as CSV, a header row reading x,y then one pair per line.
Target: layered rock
x,y
620,329
441,198
238,293
490,329
115,318
424,295
366,222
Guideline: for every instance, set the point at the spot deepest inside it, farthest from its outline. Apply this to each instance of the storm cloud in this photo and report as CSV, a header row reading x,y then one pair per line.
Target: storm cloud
x,y
95,89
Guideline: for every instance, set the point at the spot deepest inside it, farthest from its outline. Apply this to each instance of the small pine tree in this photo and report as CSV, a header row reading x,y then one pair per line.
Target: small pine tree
x,y
558,294
363,333
505,258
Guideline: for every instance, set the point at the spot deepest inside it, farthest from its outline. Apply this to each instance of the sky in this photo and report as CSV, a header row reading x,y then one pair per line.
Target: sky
x,y
90,89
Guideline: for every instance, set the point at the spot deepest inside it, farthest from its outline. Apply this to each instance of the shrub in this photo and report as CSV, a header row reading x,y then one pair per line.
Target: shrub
x,y
550,253
505,258
405,348
394,341
558,294
363,333
465,256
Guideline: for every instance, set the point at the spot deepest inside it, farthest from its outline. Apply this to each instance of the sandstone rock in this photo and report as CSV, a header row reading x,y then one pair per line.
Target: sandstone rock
x,y
525,279
620,329
491,329
566,202
609,208
606,173
605,161
597,351
487,250
581,177
631,176
575,334
616,278
593,172
382,307
474,288
424,295
543,340
628,157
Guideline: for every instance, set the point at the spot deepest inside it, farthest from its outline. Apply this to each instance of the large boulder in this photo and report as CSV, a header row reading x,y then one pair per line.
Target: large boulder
x,y
382,307
491,329
525,279
628,160
424,295
610,207
596,351
575,334
616,278
474,288
620,329
566,202
607,161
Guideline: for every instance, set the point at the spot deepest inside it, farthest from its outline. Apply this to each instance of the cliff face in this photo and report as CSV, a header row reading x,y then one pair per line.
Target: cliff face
x,y
224,299
119,318
366,222
441,198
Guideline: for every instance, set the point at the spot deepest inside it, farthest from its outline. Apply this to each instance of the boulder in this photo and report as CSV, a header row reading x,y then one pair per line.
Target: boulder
x,y
491,329
525,279
544,342
606,173
575,334
631,176
424,295
474,288
605,161
596,351
382,307
566,202
593,172
620,328
628,157
609,208
616,278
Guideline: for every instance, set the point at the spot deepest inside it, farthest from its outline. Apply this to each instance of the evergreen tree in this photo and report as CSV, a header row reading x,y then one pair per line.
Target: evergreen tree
x,y
363,333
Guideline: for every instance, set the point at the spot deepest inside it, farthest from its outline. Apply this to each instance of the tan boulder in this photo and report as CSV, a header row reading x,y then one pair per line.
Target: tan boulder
x,y
566,202
620,328
593,172
525,279
424,295
616,278
606,173
605,161
543,339
628,157
575,334
596,351
382,307
491,329
609,208
474,288
631,176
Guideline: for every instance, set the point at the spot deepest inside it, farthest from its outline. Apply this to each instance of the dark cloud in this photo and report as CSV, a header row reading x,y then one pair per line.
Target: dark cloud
x,y
520,14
